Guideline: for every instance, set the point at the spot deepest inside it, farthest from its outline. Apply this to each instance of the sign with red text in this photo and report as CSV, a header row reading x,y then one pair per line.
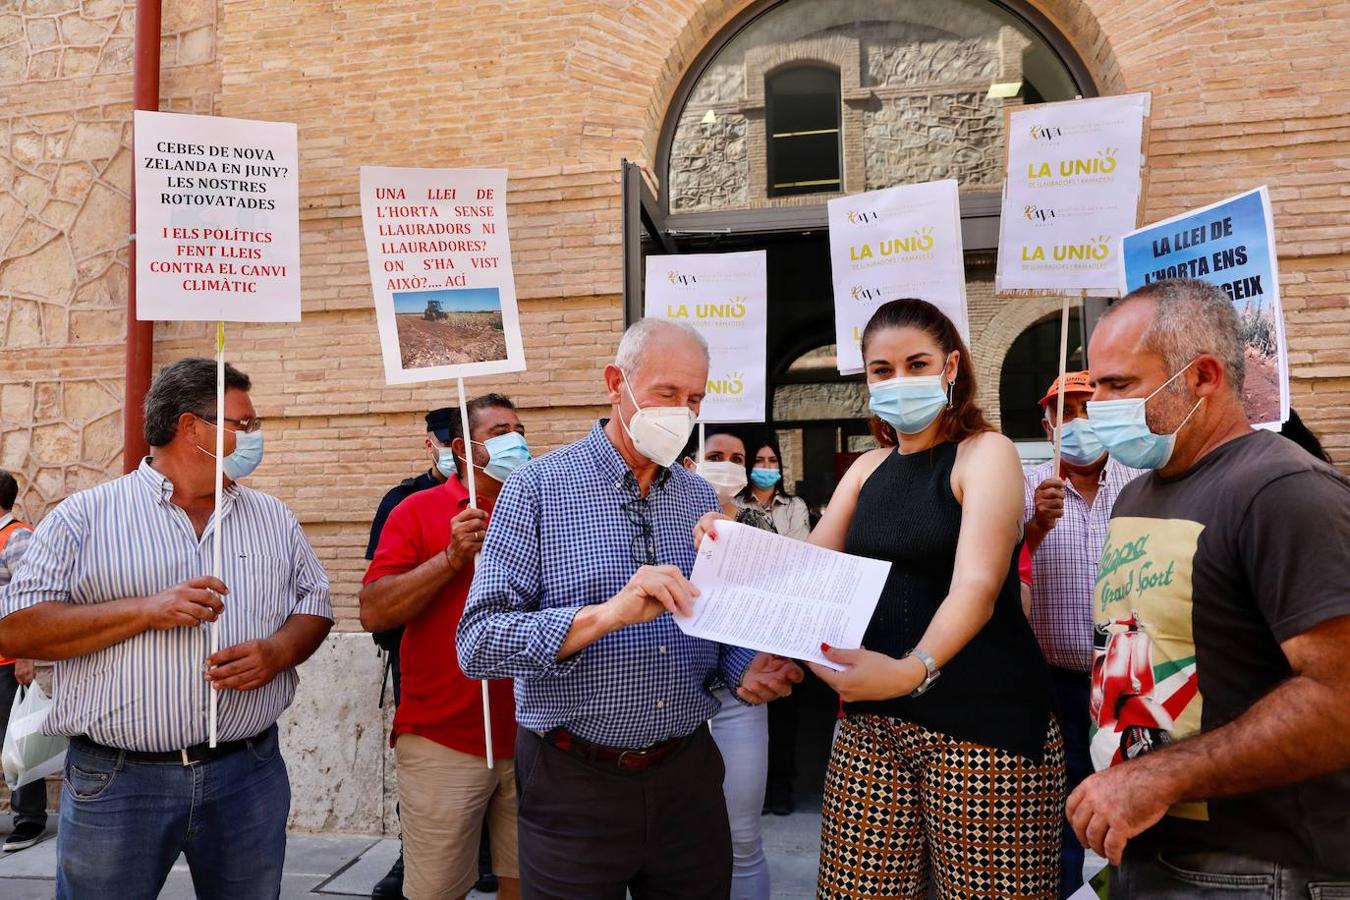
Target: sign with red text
x,y
217,219
885,245
1075,172
440,268
723,296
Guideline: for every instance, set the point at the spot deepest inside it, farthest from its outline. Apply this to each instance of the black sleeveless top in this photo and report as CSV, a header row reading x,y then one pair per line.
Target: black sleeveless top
x,y
996,691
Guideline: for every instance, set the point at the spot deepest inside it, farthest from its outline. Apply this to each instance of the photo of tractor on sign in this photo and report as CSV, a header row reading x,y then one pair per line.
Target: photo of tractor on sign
x,y
449,326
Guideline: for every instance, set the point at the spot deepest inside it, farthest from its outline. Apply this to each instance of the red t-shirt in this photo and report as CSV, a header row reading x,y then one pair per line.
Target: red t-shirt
x,y
1024,566
439,702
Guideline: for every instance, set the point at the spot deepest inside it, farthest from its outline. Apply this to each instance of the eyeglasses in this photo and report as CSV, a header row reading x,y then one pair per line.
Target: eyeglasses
x,y
247,426
642,548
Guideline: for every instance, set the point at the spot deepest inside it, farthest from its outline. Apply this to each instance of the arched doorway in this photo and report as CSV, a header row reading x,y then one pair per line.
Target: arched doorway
x,y
1029,368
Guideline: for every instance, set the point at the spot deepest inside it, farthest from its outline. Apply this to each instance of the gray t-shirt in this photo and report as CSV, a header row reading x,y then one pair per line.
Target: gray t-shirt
x,y
1202,577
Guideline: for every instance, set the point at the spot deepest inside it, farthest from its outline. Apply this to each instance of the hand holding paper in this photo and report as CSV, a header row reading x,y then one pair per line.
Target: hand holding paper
x,y
768,677
771,593
869,676
652,591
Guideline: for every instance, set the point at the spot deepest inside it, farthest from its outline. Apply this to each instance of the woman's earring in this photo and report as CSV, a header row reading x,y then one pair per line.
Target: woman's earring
x,y
950,386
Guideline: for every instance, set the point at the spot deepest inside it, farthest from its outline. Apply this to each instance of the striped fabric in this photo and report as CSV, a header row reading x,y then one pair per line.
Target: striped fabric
x,y
1065,565
13,549
126,539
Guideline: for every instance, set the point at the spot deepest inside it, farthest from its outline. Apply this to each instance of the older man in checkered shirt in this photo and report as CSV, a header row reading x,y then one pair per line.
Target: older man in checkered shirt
x,y
1065,529
619,781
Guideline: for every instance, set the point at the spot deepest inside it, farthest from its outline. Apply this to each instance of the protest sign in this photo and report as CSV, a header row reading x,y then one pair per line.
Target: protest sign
x,y
897,242
217,238
1230,244
1072,187
440,269
725,297
217,219
445,294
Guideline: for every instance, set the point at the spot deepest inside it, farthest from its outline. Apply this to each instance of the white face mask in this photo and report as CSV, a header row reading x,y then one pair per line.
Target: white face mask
x,y
727,478
658,432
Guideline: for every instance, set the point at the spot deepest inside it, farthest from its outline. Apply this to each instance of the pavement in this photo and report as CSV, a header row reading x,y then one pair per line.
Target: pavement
x,y
334,866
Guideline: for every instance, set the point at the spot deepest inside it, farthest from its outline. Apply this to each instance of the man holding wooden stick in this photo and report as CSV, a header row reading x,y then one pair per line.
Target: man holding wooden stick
x,y
112,589
419,579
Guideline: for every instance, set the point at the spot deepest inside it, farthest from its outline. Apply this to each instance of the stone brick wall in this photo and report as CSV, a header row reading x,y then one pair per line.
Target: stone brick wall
x,y
913,107
65,181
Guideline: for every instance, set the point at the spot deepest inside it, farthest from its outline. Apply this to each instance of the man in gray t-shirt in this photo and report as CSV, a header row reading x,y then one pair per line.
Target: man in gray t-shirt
x,y
1221,678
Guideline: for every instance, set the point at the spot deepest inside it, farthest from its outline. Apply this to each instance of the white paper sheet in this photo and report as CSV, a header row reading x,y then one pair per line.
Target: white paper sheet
x,y
767,592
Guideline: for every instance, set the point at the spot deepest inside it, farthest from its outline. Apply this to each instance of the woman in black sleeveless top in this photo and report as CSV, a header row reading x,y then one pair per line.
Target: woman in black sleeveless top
x,y
961,778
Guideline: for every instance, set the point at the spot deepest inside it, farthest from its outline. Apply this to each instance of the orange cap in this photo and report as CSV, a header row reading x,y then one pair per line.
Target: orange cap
x,y
1074,383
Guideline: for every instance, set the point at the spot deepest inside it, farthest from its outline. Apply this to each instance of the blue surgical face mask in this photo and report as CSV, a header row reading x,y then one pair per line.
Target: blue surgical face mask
x,y
1079,444
506,453
909,403
765,478
247,455
445,462
1122,425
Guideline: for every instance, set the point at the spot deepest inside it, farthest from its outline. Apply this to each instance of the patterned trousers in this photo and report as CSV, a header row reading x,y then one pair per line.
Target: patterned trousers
x,y
904,803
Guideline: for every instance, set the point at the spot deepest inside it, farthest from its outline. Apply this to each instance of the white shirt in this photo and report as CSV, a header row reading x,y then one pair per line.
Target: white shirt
x,y
125,538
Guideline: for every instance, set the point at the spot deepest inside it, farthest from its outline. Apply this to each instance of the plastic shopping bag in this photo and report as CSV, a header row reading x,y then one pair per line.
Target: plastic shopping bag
x,y
28,753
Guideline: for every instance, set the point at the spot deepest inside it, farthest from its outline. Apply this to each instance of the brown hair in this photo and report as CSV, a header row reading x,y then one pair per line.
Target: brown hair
x,y
962,418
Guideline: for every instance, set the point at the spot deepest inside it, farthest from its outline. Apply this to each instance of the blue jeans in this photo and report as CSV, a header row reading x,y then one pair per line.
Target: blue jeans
x,y
1214,875
124,823
742,736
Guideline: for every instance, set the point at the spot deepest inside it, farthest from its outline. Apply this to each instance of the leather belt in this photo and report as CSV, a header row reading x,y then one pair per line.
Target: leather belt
x,y
615,756
185,757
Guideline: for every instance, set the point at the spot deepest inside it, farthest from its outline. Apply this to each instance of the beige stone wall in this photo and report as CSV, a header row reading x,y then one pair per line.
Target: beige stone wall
x,y
1244,94
65,181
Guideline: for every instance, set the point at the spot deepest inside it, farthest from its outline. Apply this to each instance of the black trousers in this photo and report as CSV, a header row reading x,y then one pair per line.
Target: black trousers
x,y
28,803
1072,690
589,831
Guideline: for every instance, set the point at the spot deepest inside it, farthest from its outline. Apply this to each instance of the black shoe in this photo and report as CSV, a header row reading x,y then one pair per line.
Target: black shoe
x,y
390,887
23,837
778,800
487,884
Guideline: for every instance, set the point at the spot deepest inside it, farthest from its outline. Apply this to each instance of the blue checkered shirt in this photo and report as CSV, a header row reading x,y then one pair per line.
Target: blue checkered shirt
x,y
561,538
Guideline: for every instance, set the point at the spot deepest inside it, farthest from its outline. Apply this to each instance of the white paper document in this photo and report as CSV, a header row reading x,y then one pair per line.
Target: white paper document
x,y
767,592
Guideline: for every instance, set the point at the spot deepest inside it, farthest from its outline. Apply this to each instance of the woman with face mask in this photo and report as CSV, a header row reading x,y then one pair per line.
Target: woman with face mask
x,y
767,493
948,763
741,731
724,467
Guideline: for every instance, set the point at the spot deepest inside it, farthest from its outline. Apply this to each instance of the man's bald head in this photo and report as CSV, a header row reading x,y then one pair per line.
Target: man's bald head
x,y
653,338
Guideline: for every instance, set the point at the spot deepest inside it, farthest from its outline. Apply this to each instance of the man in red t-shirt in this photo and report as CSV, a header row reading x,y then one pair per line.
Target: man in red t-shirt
x,y
419,578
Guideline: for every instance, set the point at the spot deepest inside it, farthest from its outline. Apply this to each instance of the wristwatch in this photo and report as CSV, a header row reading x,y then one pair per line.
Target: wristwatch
x,y
933,671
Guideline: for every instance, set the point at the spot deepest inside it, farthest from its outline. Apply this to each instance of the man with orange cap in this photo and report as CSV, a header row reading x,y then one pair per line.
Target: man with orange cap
x,y
1067,513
